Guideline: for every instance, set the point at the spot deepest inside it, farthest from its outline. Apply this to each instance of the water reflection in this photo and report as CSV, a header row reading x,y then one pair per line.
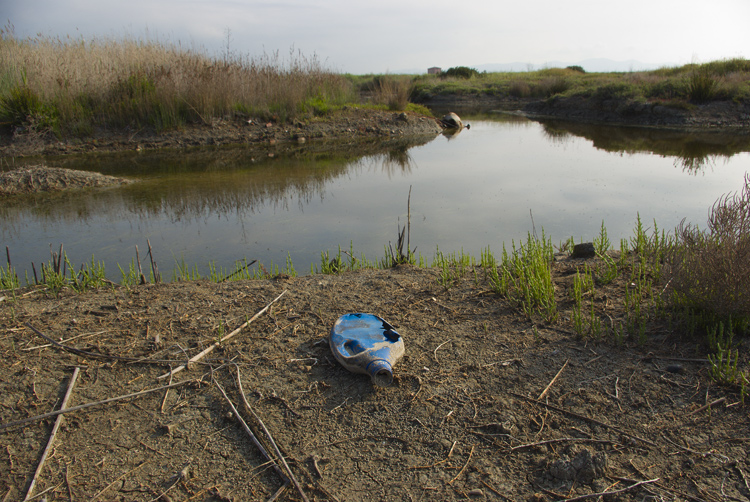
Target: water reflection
x,y
474,190
693,152
210,182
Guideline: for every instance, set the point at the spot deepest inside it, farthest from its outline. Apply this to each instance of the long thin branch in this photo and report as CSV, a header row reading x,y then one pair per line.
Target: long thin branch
x,y
583,417
97,355
615,492
269,436
52,435
208,350
89,405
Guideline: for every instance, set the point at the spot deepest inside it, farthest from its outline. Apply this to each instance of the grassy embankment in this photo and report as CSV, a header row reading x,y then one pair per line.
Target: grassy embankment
x,y
680,86
71,87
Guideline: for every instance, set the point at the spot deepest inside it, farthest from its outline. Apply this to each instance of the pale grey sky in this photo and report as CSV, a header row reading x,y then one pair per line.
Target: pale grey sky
x,y
410,35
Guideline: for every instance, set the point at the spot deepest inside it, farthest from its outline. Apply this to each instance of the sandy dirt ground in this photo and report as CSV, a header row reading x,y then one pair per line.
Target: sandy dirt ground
x,y
487,404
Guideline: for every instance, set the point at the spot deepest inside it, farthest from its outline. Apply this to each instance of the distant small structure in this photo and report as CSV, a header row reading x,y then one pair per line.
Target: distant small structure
x,y
435,70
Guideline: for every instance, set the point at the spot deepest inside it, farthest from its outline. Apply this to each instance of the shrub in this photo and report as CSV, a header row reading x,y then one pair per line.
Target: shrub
x,y
666,89
551,86
519,89
459,72
701,85
23,107
392,91
711,269
576,68
617,91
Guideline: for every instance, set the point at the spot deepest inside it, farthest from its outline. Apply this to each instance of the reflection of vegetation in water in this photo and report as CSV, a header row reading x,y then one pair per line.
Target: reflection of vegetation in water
x,y
692,151
211,181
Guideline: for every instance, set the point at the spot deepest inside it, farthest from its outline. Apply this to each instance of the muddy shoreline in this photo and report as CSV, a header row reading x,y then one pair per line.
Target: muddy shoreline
x,y
355,123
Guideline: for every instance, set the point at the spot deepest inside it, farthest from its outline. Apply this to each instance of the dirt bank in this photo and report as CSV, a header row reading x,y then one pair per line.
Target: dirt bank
x,y
348,123
717,115
486,404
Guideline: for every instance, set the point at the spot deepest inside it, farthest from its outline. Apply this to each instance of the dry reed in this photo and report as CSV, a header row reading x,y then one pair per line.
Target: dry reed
x,y
81,84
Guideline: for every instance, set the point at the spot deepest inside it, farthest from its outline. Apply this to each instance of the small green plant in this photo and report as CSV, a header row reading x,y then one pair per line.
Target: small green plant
x,y
724,364
601,242
525,277
8,278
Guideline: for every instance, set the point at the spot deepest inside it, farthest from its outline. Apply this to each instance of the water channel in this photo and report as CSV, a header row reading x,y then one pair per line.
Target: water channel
x,y
486,186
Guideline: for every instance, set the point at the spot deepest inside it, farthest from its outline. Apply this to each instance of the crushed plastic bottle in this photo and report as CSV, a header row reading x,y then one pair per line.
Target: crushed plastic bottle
x,y
365,343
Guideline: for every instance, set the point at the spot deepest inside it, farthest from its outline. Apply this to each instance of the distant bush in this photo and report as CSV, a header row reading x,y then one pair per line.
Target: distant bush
x,y
616,91
576,68
727,66
392,91
666,89
701,85
519,89
459,72
551,86
711,269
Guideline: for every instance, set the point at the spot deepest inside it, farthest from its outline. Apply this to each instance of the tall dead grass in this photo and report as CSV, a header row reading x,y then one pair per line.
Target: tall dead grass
x,y
105,82
711,268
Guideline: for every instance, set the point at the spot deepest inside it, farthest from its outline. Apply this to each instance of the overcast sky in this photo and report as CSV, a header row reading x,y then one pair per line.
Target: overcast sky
x,y
410,35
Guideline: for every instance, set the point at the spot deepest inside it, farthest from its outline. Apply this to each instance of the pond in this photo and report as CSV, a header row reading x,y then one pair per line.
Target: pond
x,y
489,185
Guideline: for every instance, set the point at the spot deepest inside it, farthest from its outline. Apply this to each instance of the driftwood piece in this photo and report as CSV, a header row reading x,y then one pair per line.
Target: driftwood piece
x,y
210,349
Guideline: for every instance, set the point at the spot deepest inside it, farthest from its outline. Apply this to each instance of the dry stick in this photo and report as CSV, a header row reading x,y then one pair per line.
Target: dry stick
x,y
238,271
712,403
268,435
615,492
89,405
544,392
434,352
561,440
250,433
154,267
118,479
583,417
52,435
28,349
210,349
140,270
464,467
85,353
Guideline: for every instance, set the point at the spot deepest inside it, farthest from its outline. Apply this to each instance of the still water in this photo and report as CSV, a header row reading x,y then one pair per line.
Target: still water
x,y
483,187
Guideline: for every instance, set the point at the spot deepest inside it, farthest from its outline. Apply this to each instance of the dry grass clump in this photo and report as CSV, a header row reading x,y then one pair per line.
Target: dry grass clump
x,y
76,85
711,269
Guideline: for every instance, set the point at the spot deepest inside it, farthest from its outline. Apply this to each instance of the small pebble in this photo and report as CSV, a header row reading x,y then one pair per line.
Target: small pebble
x,y
476,492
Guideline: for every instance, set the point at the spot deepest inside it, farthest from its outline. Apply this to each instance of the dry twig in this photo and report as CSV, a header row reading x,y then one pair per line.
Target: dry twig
x,y
462,468
615,492
268,435
89,405
544,392
210,349
52,435
583,417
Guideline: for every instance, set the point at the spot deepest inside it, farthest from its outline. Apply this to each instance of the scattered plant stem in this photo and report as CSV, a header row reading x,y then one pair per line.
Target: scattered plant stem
x,y
52,435
210,349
